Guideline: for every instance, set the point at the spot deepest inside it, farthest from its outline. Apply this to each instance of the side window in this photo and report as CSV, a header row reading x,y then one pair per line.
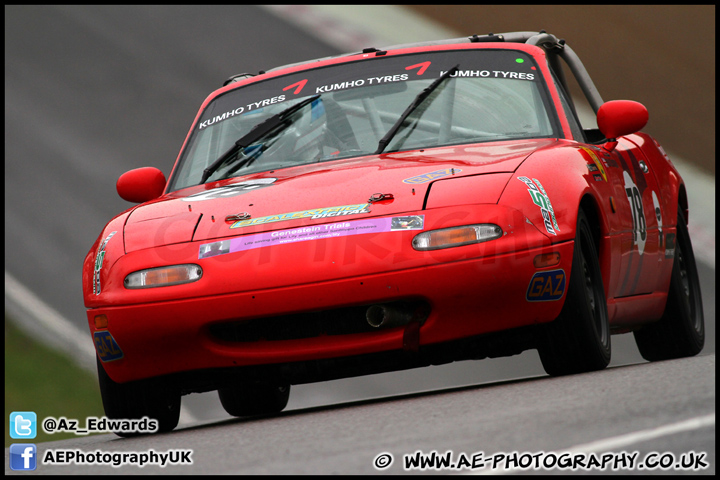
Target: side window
x,y
575,127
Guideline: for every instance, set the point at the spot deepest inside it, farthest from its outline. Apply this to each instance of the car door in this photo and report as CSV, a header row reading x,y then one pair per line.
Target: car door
x,y
628,193
640,218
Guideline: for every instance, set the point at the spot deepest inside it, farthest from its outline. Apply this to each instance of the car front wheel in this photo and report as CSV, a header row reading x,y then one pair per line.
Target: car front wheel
x,y
247,399
143,398
579,339
681,330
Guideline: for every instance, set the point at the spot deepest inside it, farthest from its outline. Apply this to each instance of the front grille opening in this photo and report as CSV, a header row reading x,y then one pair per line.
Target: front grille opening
x,y
339,321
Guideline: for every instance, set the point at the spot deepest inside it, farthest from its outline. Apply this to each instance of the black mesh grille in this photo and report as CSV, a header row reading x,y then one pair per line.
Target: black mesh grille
x,y
340,321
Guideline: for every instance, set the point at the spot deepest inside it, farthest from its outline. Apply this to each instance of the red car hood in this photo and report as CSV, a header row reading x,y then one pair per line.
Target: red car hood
x,y
330,191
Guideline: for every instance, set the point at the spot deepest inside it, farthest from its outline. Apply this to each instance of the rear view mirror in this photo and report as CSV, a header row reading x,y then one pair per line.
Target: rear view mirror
x,y
141,184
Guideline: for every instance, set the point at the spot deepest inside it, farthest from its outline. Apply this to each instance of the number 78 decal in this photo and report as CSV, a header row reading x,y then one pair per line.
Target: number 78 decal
x,y
638,214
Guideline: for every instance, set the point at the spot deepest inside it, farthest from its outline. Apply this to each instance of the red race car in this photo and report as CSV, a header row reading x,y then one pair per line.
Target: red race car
x,y
386,210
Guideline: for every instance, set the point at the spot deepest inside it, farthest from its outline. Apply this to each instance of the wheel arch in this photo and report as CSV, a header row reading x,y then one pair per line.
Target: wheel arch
x,y
589,205
682,202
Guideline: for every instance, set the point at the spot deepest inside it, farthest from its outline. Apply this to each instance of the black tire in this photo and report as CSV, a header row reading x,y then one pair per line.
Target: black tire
x,y
249,399
579,339
681,330
150,398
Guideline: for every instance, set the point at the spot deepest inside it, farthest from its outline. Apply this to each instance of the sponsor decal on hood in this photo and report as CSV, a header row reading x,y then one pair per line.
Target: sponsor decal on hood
x,y
313,214
314,232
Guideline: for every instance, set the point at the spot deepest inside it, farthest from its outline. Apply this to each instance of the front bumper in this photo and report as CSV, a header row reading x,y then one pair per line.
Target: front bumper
x,y
469,291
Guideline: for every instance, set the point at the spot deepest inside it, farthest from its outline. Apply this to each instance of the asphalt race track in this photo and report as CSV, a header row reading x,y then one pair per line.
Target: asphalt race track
x,y
94,91
522,416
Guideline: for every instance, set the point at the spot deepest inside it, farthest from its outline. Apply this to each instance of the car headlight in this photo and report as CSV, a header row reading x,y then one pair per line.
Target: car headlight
x,y
164,276
456,236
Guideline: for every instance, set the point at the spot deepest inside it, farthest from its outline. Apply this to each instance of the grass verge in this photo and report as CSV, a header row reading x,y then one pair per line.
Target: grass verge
x,y
42,380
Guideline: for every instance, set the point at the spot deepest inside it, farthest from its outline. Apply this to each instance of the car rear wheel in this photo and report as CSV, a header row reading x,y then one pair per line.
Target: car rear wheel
x,y
249,399
681,330
579,339
144,398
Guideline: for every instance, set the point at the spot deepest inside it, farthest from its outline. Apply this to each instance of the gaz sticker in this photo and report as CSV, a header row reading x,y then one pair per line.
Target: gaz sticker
x,y
546,286
106,346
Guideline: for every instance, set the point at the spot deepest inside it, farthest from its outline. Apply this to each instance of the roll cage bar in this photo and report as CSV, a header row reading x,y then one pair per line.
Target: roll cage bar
x,y
555,49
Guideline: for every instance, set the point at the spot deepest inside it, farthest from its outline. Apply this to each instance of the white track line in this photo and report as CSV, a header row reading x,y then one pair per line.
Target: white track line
x,y
351,28
41,322
615,443
620,441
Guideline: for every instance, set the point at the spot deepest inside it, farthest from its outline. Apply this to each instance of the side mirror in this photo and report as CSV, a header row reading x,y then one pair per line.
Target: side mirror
x,y
620,117
141,185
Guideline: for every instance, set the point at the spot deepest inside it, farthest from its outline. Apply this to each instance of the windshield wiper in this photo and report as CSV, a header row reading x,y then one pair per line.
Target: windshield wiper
x,y
415,103
258,131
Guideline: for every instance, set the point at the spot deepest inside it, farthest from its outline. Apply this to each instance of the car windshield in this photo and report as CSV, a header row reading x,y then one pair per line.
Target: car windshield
x,y
345,110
